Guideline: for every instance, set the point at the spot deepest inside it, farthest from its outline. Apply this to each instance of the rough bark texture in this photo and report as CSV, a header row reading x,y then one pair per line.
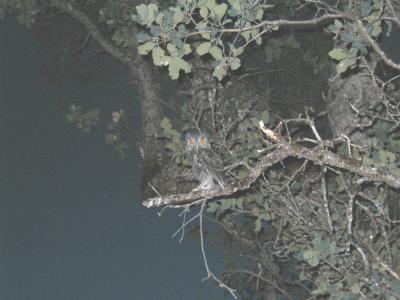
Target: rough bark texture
x,y
348,99
152,113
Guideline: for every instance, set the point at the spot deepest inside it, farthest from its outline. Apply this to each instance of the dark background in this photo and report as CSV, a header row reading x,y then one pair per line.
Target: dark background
x,y
71,220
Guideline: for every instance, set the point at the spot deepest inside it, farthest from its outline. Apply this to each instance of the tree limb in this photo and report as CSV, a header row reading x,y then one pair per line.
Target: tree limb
x,y
93,30
283,150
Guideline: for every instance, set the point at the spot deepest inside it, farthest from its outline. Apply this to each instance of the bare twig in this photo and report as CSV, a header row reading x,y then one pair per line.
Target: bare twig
x,y
325,197
209,273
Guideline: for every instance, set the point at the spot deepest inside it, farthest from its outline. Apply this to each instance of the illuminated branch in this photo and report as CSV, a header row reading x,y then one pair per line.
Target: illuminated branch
x,y
284,149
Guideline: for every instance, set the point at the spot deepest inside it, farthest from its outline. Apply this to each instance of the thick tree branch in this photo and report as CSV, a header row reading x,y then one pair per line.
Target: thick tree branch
x,y
283,150
93,30
378,50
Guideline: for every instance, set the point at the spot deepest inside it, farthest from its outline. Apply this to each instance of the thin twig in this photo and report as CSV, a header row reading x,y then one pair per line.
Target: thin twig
x,y
209,273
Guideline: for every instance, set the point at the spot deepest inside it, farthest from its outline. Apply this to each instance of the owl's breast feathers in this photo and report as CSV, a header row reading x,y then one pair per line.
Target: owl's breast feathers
x,y
210,159
211,163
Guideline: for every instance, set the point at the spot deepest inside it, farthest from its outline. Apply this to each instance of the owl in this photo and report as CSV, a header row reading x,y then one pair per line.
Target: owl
x,y
207,166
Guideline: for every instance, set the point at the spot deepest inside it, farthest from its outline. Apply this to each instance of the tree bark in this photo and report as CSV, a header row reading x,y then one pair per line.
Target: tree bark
x,y
348,100
152,150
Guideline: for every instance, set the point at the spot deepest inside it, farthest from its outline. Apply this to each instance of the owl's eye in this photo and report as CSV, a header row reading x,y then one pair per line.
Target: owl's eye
x,y
203,140
190,141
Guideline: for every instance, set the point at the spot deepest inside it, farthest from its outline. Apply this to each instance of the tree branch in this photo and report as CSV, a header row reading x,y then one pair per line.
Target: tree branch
x,y
283,22
318,156
93,30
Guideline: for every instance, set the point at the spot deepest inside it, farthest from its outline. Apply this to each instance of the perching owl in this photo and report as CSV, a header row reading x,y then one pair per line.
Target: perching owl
x,y
207,166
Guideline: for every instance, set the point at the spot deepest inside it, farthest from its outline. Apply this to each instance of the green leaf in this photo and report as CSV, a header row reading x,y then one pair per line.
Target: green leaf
x,y
166,124
311,257
186,49
236,5
259,14
366,8
246,34
152,12
110,139
211,4
234,63
147,13
258,225
395,171
343,65
173,147
236,51
338,54
212,207
239,203
159,18
347,37
355,288
204,12
338,24
202,27
220,10
178,15
172,49
216,53
146,48
220,72
175,65
118,38
203,48
387,156
228,204
182,29
142,13
206,35
155,31
376,29
142,37
159,57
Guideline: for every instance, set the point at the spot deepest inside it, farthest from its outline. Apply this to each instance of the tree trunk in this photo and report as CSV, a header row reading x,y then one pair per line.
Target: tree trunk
x,y
153,156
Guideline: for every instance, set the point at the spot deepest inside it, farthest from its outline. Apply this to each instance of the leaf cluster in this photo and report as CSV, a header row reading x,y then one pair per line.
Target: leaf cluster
x,y
172,34
174,143
84,120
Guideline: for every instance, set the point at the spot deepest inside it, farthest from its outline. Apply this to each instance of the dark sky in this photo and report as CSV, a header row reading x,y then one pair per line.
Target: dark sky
x,y
71,220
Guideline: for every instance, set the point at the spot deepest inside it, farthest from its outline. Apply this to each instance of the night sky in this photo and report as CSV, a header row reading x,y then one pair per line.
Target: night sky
x,y
71,221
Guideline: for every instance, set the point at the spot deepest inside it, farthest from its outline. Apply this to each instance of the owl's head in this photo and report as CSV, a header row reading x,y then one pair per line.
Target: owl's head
x,y
202,141
191,141
195,141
